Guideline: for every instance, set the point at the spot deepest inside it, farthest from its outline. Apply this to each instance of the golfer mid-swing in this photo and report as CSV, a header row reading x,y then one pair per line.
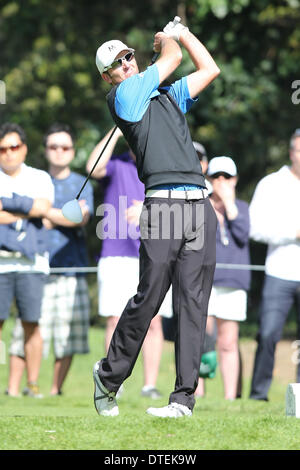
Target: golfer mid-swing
x,y
153,123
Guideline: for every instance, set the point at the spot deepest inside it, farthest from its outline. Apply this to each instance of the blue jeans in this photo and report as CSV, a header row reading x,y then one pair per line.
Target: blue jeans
x,y
277,298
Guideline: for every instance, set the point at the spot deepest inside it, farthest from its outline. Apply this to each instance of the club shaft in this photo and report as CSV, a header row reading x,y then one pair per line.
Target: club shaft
x,y
154,58
96,162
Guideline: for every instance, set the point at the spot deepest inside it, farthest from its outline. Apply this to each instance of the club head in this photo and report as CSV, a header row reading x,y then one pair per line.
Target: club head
x,y
71,211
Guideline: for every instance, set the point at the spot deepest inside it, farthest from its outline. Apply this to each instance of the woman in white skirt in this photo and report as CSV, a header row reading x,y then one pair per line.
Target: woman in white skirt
x,y
228,301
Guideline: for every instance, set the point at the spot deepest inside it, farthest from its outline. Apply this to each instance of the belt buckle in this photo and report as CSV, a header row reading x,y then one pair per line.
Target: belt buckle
x,y
195,194
190,195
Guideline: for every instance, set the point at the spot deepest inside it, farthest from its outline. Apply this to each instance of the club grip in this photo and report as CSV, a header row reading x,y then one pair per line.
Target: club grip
x,y
176,20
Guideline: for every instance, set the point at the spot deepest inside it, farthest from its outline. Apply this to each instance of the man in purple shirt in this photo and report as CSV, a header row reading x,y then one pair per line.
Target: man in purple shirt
x,y
118,267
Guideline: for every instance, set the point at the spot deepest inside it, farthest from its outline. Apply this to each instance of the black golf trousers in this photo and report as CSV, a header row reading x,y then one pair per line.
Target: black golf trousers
x,y
178,246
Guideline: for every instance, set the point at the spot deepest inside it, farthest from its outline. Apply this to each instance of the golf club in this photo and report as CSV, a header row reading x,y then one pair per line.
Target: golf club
x,y
71,210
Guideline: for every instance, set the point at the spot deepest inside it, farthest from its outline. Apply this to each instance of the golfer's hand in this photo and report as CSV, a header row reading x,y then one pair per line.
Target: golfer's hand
x,y
158,38
174,30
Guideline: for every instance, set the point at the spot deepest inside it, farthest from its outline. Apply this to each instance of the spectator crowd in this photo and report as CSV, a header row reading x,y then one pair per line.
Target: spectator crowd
x,y
55,307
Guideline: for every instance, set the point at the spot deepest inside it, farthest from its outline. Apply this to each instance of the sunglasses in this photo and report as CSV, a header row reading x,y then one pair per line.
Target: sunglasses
x,y
220,173
55,147
118,62
12,148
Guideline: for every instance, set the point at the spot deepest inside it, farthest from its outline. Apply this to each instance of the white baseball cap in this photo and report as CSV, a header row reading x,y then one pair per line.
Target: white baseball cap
x,y
107,53
221,164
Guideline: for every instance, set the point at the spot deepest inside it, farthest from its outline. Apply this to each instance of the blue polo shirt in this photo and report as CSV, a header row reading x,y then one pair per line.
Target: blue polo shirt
x,y
133,98
134,94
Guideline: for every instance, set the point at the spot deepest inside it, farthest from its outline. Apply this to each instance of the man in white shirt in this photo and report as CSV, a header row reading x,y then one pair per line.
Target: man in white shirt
x,y
275,220
26,195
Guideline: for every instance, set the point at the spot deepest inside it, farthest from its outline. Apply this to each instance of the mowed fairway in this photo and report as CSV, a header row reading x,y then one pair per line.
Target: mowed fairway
x,y
70,421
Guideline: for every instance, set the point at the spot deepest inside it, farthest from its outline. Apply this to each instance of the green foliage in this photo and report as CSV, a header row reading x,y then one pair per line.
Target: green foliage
x,y
48,65
70,422
249,111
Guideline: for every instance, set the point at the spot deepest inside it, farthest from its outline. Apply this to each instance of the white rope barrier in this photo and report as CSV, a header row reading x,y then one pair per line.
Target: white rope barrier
x,y
93,269
249,267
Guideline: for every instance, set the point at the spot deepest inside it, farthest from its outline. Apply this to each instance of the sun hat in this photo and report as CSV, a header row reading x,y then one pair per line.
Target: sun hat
x,y
221,164
107,53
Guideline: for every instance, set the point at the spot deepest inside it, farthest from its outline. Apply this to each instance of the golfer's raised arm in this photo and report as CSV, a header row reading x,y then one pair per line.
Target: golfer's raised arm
x,y
170,55
206,68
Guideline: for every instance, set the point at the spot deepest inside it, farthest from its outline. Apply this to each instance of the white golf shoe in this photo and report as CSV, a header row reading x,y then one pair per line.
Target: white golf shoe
x,y
173,410
105,401
120,391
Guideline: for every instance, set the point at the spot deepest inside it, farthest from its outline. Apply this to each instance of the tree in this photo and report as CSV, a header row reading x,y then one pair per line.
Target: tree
x,y
48,66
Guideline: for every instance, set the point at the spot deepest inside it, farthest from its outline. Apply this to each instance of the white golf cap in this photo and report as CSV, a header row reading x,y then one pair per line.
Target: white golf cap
x,y
221,164
107,53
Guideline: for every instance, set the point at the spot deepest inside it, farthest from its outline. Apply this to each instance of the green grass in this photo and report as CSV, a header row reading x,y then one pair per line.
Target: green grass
x,y
70,421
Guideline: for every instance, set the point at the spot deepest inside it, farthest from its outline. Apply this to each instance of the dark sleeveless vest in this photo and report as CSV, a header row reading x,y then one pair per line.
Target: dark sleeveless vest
x,y
161,142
